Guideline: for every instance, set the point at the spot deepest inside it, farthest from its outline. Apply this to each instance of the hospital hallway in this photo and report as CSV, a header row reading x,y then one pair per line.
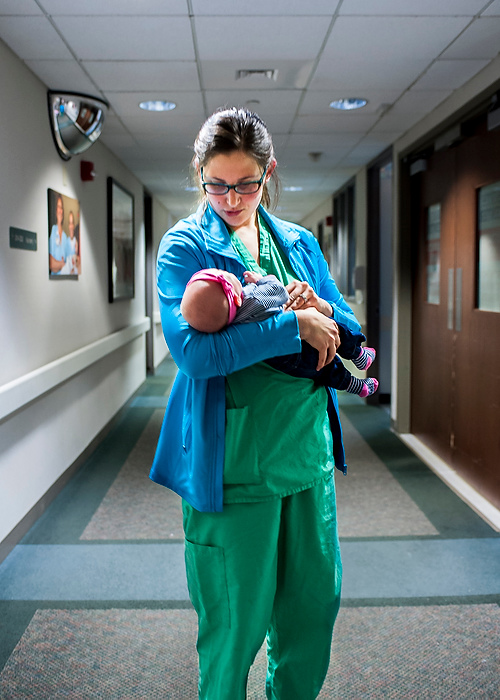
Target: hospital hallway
x,y
94,604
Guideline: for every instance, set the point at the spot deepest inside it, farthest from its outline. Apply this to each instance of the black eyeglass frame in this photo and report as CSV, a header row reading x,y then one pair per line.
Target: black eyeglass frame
x,y
226,189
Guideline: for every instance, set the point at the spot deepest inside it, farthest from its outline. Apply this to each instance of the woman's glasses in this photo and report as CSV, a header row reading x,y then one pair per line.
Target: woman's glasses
x,y
240,188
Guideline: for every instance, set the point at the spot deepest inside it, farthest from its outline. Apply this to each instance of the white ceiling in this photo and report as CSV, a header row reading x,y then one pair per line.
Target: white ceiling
x,y
404,56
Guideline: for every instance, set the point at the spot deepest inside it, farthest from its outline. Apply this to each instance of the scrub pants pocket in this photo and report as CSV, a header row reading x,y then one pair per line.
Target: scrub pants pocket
x,y
207,583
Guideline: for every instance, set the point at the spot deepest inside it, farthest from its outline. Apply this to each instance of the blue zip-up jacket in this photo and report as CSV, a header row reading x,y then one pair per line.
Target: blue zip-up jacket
x,y
189,457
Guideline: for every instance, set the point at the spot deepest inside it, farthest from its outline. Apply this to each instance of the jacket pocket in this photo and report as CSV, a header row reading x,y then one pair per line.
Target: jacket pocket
x,y
207,583
241,462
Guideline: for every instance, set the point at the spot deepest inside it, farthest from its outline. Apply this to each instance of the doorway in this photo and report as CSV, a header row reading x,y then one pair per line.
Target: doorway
x,y
455,381
379,283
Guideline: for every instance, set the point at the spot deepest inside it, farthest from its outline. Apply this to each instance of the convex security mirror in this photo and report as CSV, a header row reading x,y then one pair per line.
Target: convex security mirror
x,y
76,121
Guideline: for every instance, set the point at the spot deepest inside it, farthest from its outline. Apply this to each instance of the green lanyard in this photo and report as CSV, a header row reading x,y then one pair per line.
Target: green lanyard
x,y
272,260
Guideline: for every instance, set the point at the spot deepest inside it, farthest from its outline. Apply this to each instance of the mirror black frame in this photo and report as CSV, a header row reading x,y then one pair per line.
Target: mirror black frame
x,y
76,121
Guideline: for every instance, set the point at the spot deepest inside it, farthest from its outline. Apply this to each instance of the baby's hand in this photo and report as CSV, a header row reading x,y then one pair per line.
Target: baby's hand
x,y
250,276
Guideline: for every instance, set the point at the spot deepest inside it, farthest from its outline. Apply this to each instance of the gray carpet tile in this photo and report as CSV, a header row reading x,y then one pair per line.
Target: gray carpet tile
x,y
134,508
430,653
370,502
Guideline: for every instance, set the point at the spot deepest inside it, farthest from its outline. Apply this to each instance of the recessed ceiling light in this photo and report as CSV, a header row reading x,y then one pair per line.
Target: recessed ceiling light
x,y
157,106
293,189
349,103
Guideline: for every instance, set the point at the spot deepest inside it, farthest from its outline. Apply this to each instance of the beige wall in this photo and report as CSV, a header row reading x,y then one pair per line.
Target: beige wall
x,y
70,360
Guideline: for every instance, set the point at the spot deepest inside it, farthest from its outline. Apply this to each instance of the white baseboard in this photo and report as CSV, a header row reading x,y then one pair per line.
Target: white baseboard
x,y
457,484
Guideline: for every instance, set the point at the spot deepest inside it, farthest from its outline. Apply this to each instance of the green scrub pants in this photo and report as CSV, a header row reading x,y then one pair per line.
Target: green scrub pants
x,y
262,568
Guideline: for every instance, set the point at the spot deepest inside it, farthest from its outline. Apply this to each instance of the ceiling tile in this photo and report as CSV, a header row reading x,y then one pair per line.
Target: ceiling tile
x,y
252,39
263,7
129,38
117,76
32,38
330,145
265,102
390,39
419,101
493,9
367,150
338,123
480,40
396,124
63,75
412,8
19,7
449,74
116,142
173,134
115,7
355,75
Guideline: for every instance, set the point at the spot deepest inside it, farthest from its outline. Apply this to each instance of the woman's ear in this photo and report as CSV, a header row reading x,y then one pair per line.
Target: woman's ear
x,y
270,169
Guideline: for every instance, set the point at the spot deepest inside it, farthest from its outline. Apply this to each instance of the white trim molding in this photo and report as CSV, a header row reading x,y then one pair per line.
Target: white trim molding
x,y
465,491
22,391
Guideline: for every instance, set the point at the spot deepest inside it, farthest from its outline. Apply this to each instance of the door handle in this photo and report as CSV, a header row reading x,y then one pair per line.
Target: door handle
x,y
458,299
451,297
455,299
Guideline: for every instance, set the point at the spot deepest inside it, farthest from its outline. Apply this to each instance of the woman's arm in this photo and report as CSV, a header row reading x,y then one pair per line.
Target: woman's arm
x,y
203,355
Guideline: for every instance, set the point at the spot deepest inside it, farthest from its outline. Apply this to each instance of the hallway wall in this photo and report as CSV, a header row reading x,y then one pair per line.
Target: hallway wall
x,y
69,358
162,221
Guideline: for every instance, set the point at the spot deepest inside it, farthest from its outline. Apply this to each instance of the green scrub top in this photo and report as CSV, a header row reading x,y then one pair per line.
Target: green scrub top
x,y
278,438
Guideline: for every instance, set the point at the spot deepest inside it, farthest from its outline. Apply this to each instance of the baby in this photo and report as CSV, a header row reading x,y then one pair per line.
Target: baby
x,y
215,298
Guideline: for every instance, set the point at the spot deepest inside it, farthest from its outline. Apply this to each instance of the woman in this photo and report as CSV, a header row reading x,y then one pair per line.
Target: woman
x,y
249,448
57,240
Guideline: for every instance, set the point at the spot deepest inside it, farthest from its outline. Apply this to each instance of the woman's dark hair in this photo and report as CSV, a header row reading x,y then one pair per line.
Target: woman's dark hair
x,y
237,129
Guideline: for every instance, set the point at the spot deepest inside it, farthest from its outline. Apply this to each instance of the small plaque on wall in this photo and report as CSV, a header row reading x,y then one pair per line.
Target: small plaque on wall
x,y
19,238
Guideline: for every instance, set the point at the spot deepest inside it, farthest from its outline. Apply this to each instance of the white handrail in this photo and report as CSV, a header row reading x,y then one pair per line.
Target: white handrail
x,y
22,391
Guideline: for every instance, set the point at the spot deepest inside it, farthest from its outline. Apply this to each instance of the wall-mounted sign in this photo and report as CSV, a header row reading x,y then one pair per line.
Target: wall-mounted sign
x,y
19,238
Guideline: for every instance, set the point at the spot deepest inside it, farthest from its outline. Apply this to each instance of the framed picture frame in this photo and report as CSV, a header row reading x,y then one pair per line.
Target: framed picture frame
x,y
121,242
65,260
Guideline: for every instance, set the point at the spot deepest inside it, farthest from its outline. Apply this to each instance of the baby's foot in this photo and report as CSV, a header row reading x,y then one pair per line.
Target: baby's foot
x,y
362,387
370,386
365,358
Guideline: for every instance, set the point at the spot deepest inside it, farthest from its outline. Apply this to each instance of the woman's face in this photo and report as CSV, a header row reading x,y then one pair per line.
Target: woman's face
x,y
59,211
237,210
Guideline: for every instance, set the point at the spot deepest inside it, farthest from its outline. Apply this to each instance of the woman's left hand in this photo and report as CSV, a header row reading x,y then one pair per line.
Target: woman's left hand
x,y
303,296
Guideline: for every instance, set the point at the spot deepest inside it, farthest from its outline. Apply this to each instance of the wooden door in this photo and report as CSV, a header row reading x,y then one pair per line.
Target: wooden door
x,y
455,369
476,416
432,340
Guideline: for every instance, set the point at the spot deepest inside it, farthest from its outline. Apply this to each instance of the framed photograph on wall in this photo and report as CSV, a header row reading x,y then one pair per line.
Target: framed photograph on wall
x,y
121,243
64,236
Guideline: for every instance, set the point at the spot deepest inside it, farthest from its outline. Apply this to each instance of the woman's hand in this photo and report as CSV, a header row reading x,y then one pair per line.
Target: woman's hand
x,y
303,296
320,332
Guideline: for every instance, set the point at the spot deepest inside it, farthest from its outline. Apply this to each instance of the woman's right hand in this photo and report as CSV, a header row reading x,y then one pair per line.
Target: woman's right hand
x,y
319,331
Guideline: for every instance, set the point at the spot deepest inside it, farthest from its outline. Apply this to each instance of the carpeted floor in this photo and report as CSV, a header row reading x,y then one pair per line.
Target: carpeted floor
x,y
93,601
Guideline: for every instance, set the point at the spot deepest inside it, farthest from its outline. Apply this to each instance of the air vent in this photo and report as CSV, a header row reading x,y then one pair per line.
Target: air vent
x,y
269,73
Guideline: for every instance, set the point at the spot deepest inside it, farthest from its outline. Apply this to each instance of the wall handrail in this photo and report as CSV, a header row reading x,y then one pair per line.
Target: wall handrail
x,y
24,390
